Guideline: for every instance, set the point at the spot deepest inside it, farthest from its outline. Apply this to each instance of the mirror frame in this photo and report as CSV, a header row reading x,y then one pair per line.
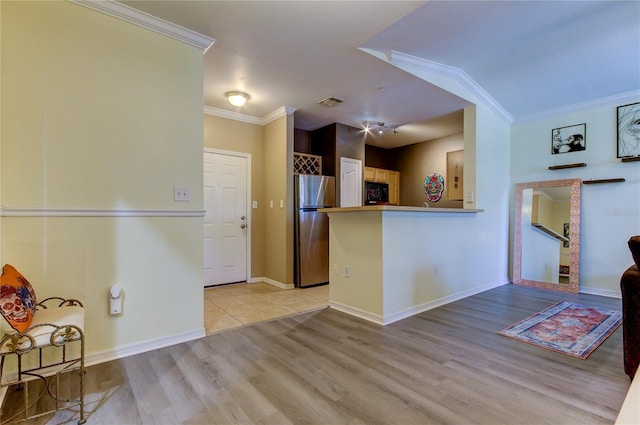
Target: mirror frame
x,y
574,236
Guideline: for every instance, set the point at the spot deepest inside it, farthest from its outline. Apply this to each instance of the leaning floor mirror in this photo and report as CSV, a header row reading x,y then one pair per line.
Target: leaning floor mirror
x,y
546,239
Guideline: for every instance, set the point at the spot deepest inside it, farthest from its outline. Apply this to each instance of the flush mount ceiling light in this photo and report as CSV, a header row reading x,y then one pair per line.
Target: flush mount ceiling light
x,y
237,98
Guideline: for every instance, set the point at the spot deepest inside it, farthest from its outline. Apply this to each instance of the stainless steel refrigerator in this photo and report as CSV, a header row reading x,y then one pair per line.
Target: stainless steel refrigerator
x,y
311,229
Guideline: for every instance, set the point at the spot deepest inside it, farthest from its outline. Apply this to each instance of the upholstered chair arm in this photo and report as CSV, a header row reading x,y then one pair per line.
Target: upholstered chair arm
x,y
630,288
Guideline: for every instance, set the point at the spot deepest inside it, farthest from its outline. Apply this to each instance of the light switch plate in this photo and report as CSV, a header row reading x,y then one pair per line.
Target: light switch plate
x,y
469,197
181,194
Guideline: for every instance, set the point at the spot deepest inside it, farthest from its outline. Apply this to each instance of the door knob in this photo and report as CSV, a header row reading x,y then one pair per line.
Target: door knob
x,y
242,226
242,218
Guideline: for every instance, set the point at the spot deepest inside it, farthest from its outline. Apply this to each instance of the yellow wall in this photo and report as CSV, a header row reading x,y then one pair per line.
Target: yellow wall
x,y
271,150
236,136
541,211
103,118
362,292
417,161
561,215
278,185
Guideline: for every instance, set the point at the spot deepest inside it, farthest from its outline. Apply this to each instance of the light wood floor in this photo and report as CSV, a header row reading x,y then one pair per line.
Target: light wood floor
x,y
232,306
444,366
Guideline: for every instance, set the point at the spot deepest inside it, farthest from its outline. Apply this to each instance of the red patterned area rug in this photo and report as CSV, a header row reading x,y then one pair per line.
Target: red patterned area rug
x,y
568,328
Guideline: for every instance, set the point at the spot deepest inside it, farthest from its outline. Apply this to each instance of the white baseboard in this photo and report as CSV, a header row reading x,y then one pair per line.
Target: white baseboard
x,y
375,318
271,282
142,347
388,319
117,353
602,292
629,413
438,302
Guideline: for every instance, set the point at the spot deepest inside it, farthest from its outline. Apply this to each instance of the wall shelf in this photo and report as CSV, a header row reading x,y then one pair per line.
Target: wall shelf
x,y
617,180
630,159
562,167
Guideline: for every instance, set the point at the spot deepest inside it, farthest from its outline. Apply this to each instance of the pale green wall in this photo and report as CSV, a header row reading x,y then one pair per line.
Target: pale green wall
x,y
540,252
405,262
486,171
101,115
610,213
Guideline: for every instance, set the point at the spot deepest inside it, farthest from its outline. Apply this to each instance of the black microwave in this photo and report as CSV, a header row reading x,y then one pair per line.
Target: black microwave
x,y
376,193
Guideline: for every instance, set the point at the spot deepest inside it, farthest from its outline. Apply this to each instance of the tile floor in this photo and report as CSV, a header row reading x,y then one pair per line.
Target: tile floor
x,y
230,306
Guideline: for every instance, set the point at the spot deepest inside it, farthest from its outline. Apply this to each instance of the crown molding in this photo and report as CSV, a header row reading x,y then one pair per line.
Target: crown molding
x,y
150,22
278,113
223,113
405,61
237,116
618,99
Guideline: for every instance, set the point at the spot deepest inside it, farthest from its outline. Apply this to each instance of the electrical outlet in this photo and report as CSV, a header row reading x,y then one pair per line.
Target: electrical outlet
x,y
181,194
347,271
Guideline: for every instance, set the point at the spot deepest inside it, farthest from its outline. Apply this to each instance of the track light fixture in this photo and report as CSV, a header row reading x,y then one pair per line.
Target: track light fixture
x,y
380,127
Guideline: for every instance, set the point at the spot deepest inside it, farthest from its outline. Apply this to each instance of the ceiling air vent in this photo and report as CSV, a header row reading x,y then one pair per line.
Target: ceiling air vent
x,y
330,101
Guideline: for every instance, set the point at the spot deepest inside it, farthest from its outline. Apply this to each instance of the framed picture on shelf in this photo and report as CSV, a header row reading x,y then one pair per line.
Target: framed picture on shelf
x,y
629,130
569,139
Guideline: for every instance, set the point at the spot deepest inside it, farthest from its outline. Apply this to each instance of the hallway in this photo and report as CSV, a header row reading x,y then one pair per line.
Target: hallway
x,y
231,306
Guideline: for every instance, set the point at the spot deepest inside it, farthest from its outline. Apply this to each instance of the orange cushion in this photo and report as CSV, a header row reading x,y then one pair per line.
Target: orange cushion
x,y
17,299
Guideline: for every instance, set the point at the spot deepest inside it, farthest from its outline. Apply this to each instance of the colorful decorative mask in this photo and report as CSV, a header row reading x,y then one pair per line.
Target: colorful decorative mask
x,y
433,187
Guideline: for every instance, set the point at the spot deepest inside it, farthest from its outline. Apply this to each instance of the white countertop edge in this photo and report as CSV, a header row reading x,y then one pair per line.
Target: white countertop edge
x,y
630,411
399,208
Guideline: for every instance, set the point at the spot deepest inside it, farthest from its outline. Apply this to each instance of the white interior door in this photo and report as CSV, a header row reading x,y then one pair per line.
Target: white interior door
x,y
225,219
350,182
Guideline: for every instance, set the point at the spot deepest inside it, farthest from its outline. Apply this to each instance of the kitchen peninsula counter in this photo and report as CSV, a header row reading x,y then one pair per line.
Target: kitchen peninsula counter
x,y
401,208
389,262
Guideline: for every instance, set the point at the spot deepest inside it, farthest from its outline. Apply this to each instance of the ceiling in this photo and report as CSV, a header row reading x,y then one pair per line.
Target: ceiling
x,y
530,57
